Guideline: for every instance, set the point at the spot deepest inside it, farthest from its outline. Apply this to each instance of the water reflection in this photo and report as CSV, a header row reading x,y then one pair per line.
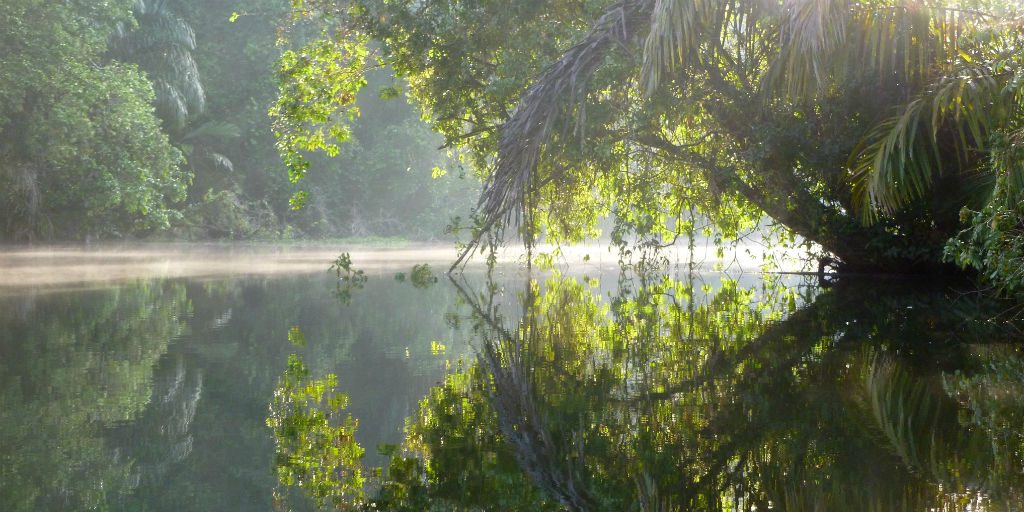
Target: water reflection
x,y
675,395
550,393
154,395
65,380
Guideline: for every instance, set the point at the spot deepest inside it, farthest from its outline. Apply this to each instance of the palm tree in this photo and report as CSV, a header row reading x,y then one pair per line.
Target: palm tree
x,y
948,74
161,44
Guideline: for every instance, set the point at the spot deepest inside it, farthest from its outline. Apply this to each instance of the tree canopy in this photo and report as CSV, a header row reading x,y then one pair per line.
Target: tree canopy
x,y
82,152
150,118
862,126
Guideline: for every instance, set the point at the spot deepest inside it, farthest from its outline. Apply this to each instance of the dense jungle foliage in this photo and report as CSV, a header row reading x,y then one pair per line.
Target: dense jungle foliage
x,y
137,118
886,132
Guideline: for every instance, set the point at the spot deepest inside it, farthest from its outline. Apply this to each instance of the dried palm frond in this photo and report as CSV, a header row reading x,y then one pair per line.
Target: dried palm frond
x,y
532,123
553,463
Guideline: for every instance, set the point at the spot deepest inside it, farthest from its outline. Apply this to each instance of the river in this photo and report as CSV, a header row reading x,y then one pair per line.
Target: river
x,y
185,378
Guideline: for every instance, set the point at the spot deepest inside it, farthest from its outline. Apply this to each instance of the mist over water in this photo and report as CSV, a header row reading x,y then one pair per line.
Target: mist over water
x,y
69,265
75,266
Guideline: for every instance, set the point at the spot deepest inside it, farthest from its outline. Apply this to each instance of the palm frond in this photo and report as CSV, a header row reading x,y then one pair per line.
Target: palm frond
x,y
677,28
526,132
156,28
901,157
222,162
213,130
181,69
901,41
162,44
811,33
170,104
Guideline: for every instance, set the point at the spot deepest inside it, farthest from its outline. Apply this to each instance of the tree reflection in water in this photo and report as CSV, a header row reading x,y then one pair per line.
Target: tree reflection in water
x,y
74,367
672,395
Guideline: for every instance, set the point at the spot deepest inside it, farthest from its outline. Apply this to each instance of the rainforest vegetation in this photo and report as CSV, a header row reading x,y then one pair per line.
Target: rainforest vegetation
x,y
885,134
882,138
149,118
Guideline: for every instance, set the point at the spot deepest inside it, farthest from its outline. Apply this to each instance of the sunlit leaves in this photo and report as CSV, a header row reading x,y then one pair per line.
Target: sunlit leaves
x,y
316,447
316,103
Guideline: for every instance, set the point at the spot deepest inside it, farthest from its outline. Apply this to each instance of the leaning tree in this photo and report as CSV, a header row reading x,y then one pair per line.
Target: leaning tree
x,y
866,127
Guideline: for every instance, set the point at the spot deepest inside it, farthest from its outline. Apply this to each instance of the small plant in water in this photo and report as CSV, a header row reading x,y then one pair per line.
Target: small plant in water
x,y
348,274
296,337
422,276
342,266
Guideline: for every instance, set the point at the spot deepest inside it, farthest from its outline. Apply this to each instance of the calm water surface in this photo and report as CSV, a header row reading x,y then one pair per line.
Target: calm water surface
x,y
590,390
